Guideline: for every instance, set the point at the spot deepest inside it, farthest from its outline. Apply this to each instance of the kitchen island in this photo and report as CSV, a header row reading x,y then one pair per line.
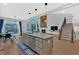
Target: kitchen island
x,y
42,43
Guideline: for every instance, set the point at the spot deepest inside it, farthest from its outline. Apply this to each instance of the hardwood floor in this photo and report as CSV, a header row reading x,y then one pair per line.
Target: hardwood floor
x,y
9,48
60,47
65,47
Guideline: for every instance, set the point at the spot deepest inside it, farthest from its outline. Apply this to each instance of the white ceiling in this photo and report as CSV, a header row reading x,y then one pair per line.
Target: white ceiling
x,y
21,10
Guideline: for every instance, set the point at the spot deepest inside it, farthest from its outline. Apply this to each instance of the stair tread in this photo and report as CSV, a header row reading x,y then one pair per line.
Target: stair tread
x,y
66,33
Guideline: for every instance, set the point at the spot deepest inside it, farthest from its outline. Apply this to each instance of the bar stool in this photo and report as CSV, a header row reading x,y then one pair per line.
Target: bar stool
x,y
7,36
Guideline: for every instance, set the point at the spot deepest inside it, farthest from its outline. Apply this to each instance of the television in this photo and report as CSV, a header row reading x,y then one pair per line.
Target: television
x,y
53,28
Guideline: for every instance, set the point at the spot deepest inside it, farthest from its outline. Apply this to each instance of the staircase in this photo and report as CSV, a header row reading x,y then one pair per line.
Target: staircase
x,y
66,31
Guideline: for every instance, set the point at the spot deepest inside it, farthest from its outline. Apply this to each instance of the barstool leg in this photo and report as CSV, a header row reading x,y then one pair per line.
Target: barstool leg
x,y
4,40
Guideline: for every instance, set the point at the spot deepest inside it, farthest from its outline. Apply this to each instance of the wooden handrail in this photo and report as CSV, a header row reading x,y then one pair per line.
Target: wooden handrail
x,y
72,33
60,31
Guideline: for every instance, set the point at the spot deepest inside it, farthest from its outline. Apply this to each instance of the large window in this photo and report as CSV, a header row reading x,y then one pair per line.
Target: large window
x,y
33,25
12,27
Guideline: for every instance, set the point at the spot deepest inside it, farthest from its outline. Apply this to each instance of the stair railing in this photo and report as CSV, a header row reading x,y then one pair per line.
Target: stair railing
x,y
72,35
61,29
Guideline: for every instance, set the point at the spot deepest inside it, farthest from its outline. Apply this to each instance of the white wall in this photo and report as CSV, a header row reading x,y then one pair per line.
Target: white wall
x,y
0,9
52,19
24,26
57,20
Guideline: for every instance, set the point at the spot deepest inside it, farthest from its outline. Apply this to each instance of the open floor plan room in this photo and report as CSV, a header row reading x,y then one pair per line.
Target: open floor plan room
x,y
39,29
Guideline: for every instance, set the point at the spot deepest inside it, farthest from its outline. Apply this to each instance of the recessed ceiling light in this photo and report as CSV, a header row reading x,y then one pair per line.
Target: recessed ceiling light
x,y
62,11
5,4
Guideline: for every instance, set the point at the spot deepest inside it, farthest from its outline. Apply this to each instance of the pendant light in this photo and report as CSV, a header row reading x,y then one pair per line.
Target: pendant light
x,y
45,3
35,12
29,13
46,11
46,8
